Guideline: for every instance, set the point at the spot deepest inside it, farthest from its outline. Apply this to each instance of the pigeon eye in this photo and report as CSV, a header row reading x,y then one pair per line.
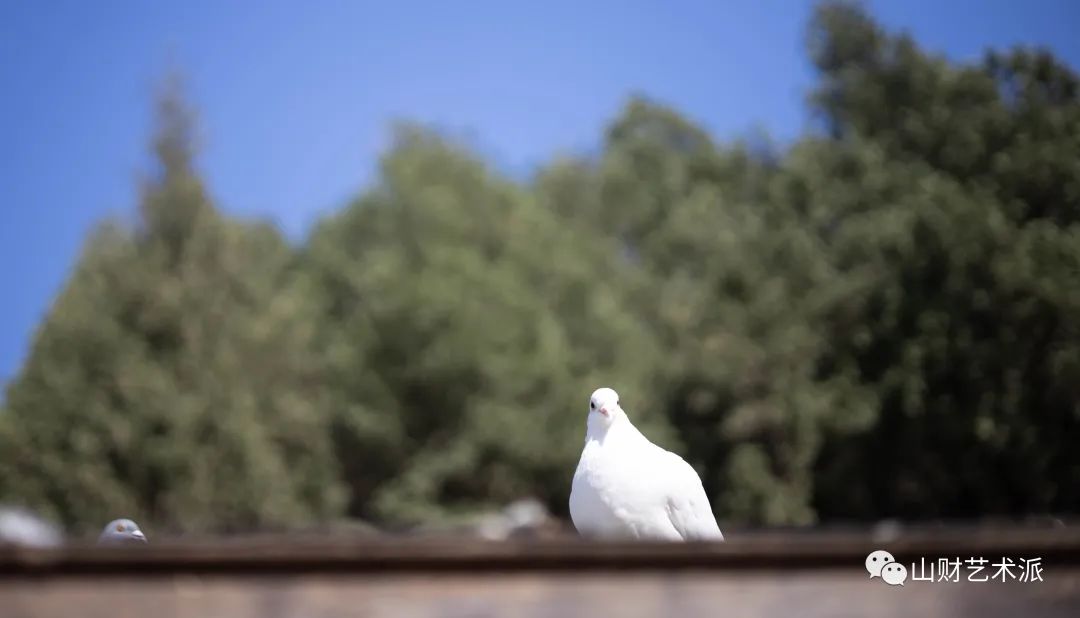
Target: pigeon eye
x,y
119,527
592,405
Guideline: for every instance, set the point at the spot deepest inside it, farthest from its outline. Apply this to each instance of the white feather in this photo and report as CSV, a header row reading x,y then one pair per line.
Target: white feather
x,y
627,487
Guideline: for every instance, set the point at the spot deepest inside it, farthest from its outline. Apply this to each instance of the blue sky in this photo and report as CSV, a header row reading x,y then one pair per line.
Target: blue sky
x,y
295,97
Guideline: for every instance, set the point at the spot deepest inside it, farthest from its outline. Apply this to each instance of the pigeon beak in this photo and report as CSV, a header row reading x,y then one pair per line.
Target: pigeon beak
x,y
604,411
138,534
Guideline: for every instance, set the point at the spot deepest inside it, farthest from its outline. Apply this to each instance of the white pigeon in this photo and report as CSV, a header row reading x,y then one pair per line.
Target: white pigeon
x,y
626,487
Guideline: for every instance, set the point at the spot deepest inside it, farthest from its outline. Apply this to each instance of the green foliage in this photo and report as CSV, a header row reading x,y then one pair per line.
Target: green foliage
x,y
1010,125
173,380
882,320
463,324
968,327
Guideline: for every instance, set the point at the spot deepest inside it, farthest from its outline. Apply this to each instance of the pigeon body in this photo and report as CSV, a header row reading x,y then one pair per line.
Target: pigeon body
x,y
626,487
121,532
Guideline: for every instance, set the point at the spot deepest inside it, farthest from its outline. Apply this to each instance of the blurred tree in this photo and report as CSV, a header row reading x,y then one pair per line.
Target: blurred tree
x,y
173,379
950,194
880,320
735,290
1009,126
465,328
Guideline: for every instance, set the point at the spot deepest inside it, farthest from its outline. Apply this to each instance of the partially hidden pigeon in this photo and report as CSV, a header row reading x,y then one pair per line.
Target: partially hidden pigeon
x,y
626,487
121,532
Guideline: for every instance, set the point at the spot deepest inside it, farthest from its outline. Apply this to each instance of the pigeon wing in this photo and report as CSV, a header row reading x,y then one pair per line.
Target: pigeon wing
x,y
687,505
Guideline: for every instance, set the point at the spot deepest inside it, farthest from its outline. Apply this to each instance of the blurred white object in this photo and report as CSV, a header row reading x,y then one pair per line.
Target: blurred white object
x,y
886,531
519,517
527,513
626,487
21,527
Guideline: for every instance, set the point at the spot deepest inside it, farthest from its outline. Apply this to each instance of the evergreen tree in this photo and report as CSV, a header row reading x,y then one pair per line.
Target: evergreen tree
x,y
950,193
464,329
881,320
173,380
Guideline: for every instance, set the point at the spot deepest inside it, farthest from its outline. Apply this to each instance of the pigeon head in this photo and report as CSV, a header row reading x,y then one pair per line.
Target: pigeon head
x,y
604,407
121,532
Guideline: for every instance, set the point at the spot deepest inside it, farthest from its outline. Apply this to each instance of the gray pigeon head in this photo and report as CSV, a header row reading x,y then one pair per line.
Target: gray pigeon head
x,y
121,532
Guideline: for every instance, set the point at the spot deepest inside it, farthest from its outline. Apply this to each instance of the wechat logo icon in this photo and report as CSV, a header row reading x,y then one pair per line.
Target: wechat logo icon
x,y
881,563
